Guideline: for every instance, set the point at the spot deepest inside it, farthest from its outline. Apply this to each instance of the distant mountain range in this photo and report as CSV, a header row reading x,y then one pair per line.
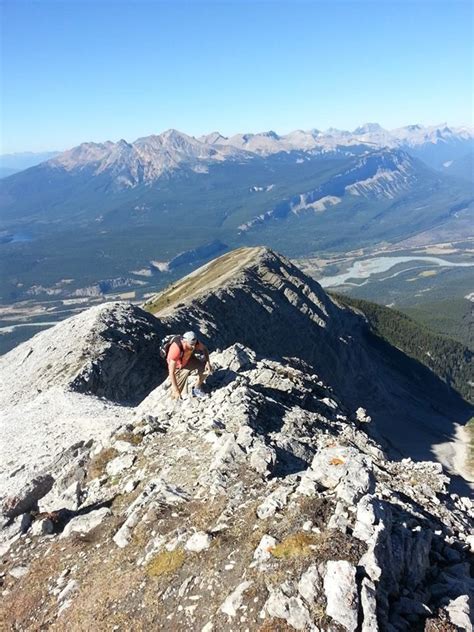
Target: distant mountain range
x,y
434,145
148,158
105,210
376,164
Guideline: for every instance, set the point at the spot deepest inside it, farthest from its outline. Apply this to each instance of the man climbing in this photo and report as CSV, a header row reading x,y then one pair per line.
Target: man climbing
x,y
182,361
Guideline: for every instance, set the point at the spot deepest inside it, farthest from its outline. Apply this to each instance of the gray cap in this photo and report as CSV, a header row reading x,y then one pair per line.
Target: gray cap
x,y
190,336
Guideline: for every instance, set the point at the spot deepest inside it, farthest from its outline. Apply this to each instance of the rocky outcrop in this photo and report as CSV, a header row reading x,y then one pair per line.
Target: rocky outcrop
x,y
265,503
110,350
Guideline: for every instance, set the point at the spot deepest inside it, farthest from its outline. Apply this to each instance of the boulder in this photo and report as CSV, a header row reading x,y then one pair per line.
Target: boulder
x,y
198,542
86,523
28,497
120,463
288,607
341,594
69,498
263,551
310,584
346,469
233,602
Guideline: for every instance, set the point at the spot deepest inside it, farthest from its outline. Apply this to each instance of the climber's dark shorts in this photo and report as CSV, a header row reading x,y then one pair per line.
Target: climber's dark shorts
x,y
182,375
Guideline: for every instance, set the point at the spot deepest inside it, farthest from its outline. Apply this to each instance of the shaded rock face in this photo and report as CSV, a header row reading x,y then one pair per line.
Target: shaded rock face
x,y
129,366
110,351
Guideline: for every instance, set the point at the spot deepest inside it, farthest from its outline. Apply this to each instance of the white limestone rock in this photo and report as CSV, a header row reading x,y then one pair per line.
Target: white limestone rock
x,y
362,416
262,459
459,611
70,588
263,551
120,463
368,598
44,526
341,593
310,585
346,469
290,608
198,542
123,446
26,499
370,512
18,571
69,498
273,502
233,602
86,523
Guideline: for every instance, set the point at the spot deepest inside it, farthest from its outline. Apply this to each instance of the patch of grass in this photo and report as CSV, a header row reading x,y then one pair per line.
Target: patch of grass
x,y
129,437
99,462
165,562
328,545
294,545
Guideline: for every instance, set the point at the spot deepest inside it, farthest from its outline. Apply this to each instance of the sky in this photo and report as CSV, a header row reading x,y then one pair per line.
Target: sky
x,y
94,70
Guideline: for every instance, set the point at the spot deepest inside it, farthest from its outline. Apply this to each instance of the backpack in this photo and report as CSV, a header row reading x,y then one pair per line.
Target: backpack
x,y
166,344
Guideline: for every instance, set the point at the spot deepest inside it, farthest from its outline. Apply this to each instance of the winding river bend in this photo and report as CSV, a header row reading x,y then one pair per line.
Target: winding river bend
x,y
368,267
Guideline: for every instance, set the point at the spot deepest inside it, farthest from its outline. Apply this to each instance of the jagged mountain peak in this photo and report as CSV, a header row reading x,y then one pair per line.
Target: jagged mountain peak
x,y
368,128
174,136
213,138
84,154
270,134
239,268
148,158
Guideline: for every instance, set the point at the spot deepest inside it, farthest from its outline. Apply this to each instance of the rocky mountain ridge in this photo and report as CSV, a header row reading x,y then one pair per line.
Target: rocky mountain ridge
x,y
377,175
275,503
149,158
410,136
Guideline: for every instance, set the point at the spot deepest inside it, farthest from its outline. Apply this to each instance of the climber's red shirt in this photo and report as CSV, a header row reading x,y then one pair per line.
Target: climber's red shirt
x,y
174,353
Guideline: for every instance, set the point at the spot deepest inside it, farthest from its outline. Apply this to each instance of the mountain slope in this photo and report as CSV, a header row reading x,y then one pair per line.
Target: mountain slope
x,y
257,298
447,358
267,505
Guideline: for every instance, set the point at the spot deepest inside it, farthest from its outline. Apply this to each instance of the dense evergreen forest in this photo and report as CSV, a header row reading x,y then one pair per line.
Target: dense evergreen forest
x,y
448,359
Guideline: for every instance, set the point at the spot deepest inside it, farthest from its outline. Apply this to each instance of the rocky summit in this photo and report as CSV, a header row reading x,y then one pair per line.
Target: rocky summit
x,y
308,491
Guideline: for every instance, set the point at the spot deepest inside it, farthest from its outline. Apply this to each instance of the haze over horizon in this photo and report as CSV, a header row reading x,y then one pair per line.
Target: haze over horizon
x,y
127,69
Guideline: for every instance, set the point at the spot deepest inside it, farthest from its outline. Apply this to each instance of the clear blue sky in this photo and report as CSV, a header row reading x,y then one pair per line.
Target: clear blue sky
x,y
80,70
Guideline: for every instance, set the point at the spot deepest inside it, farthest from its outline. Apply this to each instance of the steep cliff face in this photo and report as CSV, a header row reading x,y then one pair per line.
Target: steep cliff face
x,y
271,504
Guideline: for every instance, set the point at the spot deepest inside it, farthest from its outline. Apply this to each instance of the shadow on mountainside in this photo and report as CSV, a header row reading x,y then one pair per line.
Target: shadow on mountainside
x,y
416,411
412,409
